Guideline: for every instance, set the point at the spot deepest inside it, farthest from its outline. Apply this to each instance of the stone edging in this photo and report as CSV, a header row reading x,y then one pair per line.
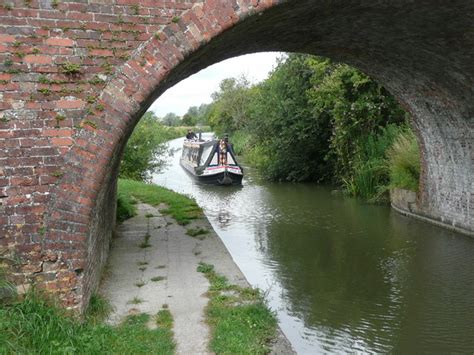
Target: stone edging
x,y
433,221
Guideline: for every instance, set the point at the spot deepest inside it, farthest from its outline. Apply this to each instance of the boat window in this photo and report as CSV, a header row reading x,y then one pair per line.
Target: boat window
x,y
230,160
214,160
205,154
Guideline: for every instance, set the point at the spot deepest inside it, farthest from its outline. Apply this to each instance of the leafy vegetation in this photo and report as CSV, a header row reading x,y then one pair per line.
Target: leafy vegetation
x,y
240,320
314,120
145,149
404,161
183,209
35,325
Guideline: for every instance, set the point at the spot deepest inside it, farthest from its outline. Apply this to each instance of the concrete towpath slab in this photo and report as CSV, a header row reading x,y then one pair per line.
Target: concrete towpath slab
x,y
146,274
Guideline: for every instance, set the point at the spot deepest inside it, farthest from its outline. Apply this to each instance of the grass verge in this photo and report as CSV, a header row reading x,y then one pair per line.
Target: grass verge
x,y
240,320
36,326
183,209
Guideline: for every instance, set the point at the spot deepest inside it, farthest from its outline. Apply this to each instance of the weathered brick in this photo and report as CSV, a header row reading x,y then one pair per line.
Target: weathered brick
x,y
58,41
38,59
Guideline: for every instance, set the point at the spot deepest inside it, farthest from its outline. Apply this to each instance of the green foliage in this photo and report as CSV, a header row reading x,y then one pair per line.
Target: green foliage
x,y
183,209
37,326
145,148
198,233
125,207
404,161
312,120
69,68
231,103
99,308
240,320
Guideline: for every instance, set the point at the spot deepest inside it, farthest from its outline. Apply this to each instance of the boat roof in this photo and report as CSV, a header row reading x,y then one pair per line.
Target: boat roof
x,y
195,143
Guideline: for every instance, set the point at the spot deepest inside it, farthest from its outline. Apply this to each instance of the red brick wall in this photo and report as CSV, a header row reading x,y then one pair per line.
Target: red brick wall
x,y
61,132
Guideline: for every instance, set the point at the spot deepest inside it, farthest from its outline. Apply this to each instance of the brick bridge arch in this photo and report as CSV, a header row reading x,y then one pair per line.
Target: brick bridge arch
x,y
76,76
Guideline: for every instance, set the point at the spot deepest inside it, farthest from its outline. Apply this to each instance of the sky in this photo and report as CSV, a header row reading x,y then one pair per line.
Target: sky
x,y
197,88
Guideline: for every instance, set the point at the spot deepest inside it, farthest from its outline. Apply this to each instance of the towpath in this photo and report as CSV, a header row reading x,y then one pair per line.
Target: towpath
x,y
163,275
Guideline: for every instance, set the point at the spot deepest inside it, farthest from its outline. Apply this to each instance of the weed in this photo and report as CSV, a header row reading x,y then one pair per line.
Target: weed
x,y
240,323
51,331
91,99
140,283
54,3
45,91
69,68
57,173
89,123
99,308
35,51
135,300
157,36
16,44
142,263
4,82
158,278
8,6
96,80
60,117
160,267
136,9
142,268
198,233
145,243
205,268
175,19
43,79
164,319
149,215
100,107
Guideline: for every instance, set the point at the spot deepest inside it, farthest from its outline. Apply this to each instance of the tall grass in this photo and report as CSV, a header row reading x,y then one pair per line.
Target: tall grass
x,y
125,207
36,326
369,178
404,161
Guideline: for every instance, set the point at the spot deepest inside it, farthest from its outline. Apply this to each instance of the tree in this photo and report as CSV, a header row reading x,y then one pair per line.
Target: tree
x,y
230,104
144,150
171,119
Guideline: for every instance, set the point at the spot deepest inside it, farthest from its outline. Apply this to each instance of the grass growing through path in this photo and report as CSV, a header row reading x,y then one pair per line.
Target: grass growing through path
x,y
240,321
36,326
198,233
181,208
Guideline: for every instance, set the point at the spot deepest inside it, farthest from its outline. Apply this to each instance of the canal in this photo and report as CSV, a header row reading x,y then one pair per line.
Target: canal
x,y
343,276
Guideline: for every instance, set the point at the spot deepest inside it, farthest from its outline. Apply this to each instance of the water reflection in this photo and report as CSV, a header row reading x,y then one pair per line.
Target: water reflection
x,y
343,276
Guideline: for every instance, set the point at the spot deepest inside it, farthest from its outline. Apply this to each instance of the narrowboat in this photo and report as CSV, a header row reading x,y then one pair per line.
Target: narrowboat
x,y
211,162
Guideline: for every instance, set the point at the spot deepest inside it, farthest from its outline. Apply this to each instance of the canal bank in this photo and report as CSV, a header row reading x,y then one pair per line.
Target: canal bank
x,y
344,276
148,274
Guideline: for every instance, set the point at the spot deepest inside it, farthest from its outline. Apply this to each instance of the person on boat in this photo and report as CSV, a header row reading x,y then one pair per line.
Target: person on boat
x,y
223,151
191,135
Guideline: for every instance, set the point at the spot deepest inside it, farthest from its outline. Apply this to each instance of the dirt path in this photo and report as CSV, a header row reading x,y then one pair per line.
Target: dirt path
x,y
164,274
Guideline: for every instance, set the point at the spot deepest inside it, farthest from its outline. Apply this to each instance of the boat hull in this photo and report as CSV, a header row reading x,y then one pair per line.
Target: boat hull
x,y
218,178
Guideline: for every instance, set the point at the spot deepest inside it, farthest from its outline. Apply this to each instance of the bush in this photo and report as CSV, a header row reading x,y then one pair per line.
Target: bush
x,y
404,161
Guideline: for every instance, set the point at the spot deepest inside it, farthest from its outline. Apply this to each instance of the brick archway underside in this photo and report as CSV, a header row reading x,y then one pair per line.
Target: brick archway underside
x,y
77,76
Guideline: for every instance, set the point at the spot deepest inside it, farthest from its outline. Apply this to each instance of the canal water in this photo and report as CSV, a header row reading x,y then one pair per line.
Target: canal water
x,y
343,276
